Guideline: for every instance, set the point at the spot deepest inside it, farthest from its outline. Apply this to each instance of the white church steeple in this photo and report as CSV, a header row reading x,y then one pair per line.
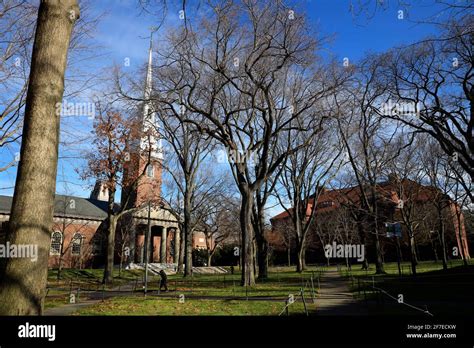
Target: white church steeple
x,y
149,122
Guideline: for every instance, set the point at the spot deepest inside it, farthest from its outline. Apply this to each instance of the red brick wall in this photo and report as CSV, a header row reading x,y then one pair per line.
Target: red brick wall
x,y
87,229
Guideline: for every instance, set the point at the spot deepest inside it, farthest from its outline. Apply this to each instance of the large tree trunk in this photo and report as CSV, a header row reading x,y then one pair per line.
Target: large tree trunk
x,y
109,261
300,252
188,269
209,258
360,229
434,247
379,268
248,274
262,246
259,229
460,235
23,282
182,249
413,258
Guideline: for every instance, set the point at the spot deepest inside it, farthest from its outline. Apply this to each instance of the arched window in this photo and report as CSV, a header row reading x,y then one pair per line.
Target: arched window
x,y
76,243
56,242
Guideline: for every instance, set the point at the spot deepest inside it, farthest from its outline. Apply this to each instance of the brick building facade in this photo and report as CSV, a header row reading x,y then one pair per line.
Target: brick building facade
x,y
427,210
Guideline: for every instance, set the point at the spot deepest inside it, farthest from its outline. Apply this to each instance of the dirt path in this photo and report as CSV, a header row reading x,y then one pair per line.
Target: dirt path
x,y
335,297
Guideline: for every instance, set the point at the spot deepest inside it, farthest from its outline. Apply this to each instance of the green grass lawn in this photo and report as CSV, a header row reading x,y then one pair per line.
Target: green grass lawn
x,y
442,292
191,307
85,279
281,282
89,278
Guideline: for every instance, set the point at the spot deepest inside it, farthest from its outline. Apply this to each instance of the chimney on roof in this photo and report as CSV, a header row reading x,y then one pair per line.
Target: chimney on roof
x,y
100,192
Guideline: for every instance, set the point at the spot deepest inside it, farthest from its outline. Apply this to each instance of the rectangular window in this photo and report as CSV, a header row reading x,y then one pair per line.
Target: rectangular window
x,y
76,244
150,171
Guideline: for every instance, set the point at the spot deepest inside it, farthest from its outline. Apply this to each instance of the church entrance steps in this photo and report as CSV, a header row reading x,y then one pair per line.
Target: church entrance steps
x,y
171,268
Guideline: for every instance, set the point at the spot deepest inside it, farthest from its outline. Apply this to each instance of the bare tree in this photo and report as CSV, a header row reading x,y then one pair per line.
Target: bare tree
x,y
17,29
220,224
406,177
436,77
17,25
188,151
304,176
369,142
236,82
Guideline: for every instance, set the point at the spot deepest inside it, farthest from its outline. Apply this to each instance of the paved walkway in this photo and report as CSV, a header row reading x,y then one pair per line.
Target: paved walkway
x,y
335,297
92,298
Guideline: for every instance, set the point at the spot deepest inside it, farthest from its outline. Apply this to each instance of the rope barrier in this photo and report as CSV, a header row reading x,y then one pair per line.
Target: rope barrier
x,y
406,304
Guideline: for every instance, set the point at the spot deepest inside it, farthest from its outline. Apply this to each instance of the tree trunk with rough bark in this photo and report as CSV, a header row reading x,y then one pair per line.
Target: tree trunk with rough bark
x,y
248,274
361,232
262,245
23,282
413,258
109,262
300,264
182,249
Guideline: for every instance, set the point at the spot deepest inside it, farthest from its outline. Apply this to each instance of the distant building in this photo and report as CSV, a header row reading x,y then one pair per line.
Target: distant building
x,y
430,209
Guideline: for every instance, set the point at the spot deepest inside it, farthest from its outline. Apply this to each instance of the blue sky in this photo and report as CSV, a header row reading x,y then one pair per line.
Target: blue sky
x,y
122,34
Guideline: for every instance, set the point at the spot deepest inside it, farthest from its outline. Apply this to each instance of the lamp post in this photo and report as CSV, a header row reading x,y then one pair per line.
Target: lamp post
x,y
147,242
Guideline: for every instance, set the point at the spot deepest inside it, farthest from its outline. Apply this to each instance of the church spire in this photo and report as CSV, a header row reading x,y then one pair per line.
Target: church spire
x,y
149,119
149,73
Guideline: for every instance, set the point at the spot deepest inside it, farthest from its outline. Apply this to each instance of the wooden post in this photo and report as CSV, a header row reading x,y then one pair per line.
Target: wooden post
x,y
304,302
312,290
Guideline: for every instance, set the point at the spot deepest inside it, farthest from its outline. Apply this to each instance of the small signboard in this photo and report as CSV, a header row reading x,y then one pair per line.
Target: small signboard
x,y
393,229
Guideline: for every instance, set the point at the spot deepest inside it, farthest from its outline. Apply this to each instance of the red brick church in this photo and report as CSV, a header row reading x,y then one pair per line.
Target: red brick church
x,y
78,234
